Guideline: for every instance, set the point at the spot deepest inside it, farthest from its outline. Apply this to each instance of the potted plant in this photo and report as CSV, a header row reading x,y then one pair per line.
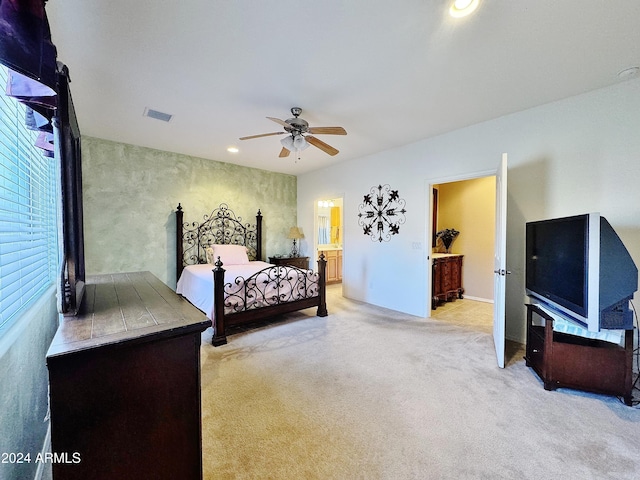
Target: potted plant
x,y
447,236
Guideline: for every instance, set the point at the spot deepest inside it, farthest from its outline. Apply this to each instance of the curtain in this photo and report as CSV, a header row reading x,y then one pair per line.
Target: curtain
x,y
26,49
25,40
323,229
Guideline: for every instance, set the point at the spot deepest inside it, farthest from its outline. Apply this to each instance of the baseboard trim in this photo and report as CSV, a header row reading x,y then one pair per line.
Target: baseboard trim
x,y
478,299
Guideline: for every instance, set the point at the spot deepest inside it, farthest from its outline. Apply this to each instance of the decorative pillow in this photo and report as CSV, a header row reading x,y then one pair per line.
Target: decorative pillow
x,y
209,253
229,254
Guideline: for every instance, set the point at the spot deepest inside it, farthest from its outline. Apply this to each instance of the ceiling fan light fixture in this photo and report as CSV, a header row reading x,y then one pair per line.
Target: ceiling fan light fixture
x,y
287,142
300,135
294,142
299,142
462,8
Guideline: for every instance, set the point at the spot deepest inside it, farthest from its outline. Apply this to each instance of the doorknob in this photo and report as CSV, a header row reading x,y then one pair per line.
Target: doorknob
x,y
502,272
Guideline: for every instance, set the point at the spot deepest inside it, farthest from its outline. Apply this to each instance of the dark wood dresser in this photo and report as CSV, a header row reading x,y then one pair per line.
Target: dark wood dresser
x,y
300,262
446,281
124,381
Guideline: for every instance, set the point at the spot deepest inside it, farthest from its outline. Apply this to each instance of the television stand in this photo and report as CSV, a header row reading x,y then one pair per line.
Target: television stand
x,y
563,360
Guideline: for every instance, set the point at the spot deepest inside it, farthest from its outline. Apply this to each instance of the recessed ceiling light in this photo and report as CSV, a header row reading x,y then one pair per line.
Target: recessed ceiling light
x,y
628,72
462,8
233,149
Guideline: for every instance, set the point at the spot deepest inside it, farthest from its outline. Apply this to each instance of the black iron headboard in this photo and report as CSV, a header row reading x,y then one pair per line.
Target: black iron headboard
x,y
221,227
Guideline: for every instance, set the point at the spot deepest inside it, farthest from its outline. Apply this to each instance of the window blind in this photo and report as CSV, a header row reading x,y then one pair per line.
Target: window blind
x,y
28,212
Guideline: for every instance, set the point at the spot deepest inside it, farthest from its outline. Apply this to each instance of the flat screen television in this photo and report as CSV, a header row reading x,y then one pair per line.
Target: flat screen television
x,y
579,267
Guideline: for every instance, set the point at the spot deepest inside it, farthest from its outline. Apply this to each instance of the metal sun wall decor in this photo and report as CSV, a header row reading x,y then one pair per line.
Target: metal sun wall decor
x,y
381,217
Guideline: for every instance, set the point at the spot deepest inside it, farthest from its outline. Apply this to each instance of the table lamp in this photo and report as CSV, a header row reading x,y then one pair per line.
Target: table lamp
x,y
295,234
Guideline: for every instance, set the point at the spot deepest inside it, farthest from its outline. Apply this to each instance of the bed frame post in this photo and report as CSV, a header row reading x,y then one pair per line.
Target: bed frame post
x,y
322,290
219,334
179,245
259,235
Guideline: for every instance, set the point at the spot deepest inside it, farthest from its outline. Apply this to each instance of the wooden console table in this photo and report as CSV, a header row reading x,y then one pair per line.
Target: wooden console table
x,y
124,381
563,360
446,280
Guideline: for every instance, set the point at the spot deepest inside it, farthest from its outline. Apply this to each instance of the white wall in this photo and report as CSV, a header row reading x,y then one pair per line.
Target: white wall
x,y
574,156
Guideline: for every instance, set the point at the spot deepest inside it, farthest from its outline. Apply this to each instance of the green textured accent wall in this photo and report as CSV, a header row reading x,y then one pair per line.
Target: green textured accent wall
x,y
130,195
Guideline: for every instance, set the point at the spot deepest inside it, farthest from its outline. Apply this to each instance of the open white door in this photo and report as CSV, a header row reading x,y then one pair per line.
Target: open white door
x,y
500,264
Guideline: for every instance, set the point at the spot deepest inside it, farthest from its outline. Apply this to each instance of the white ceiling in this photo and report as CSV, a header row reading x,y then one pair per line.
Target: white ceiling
x,y
390,73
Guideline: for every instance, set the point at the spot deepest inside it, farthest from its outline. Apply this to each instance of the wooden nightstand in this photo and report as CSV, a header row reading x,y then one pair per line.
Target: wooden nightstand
x,y
300,262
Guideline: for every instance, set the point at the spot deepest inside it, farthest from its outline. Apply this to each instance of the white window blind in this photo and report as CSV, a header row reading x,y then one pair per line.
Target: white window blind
x,y
28,212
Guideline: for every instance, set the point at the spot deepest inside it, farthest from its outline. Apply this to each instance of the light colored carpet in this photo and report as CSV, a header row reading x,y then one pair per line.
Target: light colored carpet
x,y
368,393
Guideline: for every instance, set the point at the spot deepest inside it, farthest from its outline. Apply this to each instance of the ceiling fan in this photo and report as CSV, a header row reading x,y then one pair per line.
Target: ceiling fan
x,y
299,136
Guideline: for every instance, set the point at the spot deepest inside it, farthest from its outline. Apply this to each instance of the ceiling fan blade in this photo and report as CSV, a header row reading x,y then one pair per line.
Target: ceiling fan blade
x,y
284,153
327,130
281,122
321,145
261,135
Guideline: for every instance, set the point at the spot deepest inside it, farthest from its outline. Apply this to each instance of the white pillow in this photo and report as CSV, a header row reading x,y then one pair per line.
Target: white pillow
x,y
209,253
229,254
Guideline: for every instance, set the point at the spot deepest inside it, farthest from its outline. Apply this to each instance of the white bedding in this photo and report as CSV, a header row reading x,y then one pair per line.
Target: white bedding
x,y
196,285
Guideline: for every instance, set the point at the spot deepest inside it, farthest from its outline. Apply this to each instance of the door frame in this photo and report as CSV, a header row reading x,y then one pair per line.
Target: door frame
x,y
429,234
341,196
429,210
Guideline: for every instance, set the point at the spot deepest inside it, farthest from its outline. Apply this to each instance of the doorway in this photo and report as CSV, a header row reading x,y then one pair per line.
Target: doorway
x,y
500,270
329,236
466,205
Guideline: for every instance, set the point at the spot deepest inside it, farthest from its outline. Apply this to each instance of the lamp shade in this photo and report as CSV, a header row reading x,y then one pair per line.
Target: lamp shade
x,y
287,142
300,142
294,142
295,233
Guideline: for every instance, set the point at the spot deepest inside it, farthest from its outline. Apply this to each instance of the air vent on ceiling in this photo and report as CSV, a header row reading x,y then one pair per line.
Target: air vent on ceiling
x,y
165,117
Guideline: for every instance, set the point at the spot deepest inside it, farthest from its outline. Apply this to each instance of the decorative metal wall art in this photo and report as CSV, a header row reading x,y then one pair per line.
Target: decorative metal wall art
x,y
381,213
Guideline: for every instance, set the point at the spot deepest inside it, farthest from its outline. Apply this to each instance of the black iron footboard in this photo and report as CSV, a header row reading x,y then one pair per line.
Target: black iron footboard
x,y
271,291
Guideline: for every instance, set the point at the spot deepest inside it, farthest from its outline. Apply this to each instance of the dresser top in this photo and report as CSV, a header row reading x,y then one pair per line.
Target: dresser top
x,y
446,255
125,307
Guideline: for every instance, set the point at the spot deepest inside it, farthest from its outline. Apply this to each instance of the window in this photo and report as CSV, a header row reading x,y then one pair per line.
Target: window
x,y
29,253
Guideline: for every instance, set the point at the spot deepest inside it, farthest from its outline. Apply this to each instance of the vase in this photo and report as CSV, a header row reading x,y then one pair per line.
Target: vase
x,y
447,244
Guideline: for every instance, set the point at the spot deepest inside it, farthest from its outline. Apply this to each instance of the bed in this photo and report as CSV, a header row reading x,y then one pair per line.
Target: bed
x,y
219,269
